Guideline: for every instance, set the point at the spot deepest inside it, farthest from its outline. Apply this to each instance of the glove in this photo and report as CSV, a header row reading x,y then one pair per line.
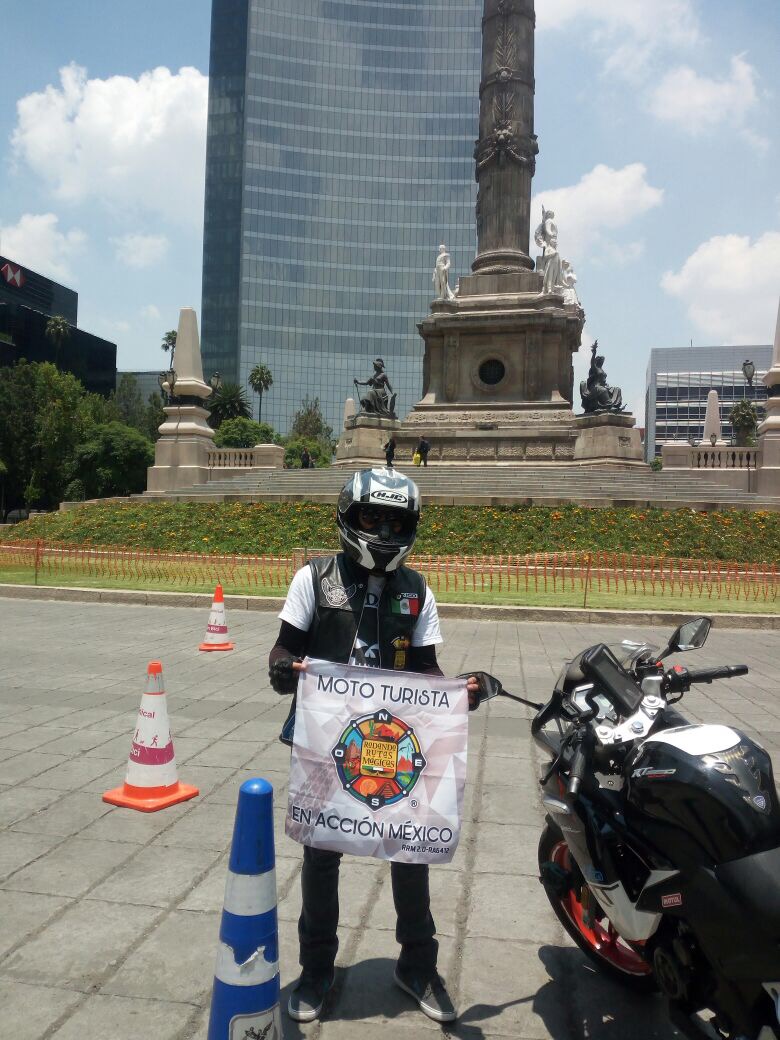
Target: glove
x,y
283,678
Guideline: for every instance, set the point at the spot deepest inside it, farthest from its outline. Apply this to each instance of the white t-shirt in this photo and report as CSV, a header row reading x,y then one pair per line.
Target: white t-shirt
x,y
300,605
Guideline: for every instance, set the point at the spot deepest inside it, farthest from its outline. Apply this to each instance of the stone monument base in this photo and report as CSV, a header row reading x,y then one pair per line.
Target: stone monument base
x,y
608,437
181,455
362,440
541,433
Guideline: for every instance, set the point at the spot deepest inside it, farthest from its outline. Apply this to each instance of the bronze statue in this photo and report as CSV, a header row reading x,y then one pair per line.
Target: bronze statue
x,y
597,395
379,398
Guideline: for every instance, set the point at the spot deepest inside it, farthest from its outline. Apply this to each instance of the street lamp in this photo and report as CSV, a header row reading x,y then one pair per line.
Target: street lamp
x,y
749,371
215,382
713,439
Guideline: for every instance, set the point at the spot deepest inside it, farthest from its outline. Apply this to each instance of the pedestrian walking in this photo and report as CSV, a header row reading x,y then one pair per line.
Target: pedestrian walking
x,y
339,608
389,450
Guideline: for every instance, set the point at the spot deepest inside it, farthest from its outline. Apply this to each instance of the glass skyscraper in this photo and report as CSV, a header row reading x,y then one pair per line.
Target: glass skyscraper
x,y
340,144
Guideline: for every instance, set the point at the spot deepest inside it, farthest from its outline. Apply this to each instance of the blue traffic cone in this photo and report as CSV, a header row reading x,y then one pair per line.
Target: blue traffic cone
x,y
245,999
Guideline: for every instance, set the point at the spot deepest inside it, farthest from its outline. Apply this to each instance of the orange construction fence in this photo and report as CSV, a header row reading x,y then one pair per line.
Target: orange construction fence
x,y
609,572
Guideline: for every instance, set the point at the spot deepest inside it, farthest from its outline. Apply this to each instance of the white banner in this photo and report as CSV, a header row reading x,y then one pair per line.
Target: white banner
x,y
379,763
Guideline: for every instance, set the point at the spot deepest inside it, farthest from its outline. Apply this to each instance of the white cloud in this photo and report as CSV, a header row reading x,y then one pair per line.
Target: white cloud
x,y
697,103
151,312
604,200
35,241
729,286
140,251
134,144
629,32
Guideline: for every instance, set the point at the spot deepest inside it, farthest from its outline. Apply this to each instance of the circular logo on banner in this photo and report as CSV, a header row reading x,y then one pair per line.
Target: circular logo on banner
x,y
378,759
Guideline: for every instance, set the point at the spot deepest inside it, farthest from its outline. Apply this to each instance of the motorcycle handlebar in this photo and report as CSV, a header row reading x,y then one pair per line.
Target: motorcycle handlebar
x,y
724,671
577,771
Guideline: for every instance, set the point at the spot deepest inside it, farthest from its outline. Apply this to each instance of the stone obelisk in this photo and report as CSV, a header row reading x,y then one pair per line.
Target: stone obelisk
x,y
769,430
497,368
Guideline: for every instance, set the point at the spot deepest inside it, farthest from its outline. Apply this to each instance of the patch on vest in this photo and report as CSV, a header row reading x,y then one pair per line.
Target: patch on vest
x,y
405,603
337,595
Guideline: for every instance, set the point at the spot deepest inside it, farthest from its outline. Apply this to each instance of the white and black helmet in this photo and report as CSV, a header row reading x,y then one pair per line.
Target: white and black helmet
x,y
387,491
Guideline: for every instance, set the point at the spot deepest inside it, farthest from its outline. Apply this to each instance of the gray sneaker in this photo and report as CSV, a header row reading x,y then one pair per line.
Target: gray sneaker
x,y
308,996
430,993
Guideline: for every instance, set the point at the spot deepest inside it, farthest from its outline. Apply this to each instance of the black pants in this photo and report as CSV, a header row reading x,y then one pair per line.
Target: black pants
x,y
389,456
319,918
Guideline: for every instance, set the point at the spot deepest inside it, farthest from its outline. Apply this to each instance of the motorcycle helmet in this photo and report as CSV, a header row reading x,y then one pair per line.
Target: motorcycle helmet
x,y
391,497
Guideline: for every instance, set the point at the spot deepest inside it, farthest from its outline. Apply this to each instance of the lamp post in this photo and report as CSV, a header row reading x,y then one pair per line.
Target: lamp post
x,y
748,371
215,382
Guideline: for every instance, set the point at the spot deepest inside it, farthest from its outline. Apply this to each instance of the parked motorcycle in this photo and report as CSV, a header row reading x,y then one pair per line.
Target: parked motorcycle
x,y
661,849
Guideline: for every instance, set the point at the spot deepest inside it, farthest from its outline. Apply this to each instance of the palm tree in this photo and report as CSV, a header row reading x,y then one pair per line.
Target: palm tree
x,y
169,343
229,402
260,379
57,332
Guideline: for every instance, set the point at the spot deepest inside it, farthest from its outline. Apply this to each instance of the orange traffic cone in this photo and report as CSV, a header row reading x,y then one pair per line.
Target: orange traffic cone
x,y
151,782
216,637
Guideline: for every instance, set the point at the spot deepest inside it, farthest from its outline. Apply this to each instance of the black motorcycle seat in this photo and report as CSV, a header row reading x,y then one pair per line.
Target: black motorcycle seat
x,y
753,883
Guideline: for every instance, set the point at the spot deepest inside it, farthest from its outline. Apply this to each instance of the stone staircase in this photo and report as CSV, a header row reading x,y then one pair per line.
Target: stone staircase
x,y
498,484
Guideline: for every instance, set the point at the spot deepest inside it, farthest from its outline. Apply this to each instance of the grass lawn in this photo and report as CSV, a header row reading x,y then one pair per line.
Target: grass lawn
x,y
189,581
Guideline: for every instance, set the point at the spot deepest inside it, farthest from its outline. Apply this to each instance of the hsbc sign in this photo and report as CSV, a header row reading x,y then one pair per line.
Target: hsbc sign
x,y
12,275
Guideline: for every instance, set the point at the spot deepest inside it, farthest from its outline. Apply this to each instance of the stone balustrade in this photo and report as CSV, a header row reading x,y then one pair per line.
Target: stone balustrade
x,y
735,466
229,460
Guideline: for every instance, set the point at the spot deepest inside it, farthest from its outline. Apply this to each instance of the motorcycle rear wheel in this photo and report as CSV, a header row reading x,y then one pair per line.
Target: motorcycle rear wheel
x,y
602,945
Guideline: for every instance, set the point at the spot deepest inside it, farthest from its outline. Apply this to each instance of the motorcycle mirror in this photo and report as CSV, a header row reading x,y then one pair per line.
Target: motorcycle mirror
x,y
489,687
689,636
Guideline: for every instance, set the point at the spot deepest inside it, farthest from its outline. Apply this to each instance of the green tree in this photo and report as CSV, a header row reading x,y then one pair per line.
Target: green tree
x,y
310,424
229,402
260,379
3,475
57,333
130,406
154,417
113,461
244,433
319,451
744,419
169,344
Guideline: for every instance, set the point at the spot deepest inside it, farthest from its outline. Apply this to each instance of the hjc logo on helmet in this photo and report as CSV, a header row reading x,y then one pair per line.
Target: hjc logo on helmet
x,y
389,496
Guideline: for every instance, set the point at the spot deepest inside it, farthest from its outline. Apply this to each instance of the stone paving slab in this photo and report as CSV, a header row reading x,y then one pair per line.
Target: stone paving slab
x,y
110,917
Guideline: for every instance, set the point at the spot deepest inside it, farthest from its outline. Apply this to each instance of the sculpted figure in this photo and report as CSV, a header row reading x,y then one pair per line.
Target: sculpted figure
x,y
441,275
569,280
546,238
379,398
597,396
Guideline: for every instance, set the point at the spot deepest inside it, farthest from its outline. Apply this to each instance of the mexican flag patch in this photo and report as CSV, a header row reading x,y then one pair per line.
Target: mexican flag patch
x,y
405,605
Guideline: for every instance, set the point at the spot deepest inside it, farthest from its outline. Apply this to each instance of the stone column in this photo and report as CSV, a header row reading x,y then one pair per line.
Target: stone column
x,y
769,430
181,455
506,150
712,419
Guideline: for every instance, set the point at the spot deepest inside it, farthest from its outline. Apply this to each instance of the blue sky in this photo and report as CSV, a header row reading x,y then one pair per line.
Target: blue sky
x,y
659,141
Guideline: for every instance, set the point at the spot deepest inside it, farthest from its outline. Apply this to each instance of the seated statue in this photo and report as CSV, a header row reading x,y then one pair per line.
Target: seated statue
x,y
379,398
597,395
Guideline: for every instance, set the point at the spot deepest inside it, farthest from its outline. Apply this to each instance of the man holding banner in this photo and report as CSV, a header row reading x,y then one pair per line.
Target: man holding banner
x,y
379,760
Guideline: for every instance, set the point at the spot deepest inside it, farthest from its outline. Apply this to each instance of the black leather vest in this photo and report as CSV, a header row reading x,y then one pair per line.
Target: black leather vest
x,y
340,588
340,591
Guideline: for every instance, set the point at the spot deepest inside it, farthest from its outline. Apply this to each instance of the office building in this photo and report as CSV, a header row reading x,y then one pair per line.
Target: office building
x,y
340,154
679,380
27,302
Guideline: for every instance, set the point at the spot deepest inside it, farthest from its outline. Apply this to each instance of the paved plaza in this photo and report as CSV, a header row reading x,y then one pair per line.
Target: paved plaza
x,y
110,917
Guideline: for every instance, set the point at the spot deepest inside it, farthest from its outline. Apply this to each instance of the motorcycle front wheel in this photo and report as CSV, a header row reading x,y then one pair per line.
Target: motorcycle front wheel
x,y
598,939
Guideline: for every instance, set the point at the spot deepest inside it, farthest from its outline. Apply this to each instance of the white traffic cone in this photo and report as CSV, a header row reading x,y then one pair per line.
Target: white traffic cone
x,y
216,637
151,781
